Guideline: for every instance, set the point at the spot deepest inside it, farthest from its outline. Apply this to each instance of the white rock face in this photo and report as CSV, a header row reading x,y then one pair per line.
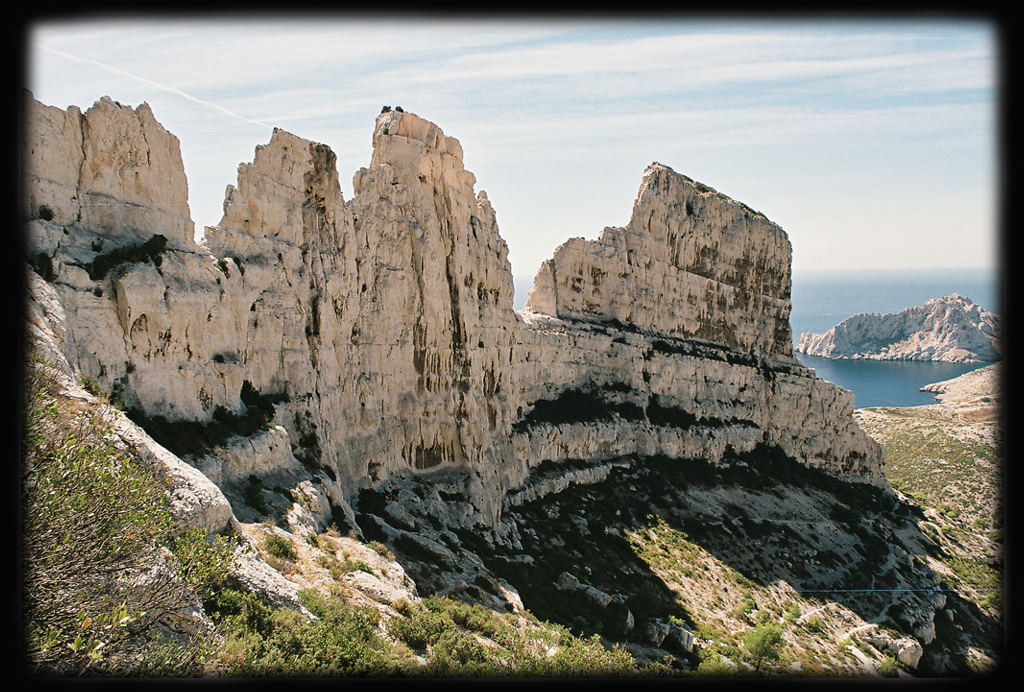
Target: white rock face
x,y
114,170
951,329
907,650
378,333
195,499
690,263
633,394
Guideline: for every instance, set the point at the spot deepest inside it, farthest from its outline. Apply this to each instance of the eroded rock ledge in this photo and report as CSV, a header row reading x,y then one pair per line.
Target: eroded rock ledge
x,y
336,346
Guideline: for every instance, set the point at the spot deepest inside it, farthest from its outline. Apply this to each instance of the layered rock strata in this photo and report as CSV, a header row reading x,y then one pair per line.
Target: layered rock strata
x,y
330,346
952,329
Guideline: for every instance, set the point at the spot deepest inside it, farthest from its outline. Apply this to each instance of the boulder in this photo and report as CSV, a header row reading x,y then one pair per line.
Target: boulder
x,y
567,582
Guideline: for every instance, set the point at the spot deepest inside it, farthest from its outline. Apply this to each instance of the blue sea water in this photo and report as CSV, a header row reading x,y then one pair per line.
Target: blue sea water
x,y
822,300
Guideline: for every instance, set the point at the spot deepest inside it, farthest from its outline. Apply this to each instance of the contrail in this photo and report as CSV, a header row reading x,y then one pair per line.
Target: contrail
x,y
177,92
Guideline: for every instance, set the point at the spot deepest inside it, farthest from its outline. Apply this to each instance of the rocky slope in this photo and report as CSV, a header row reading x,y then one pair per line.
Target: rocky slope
x,y
947,459
950,455
951,329
673,561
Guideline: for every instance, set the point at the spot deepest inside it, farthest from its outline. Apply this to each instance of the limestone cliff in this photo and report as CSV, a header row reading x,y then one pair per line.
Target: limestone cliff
x,y
690,263
329,346
951,329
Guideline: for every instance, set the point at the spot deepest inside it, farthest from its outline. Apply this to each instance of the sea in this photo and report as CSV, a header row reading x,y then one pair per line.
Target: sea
x,y
823,299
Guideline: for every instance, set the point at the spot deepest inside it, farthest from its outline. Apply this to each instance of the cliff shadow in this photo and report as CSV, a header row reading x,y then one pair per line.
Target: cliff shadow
x,y
667,545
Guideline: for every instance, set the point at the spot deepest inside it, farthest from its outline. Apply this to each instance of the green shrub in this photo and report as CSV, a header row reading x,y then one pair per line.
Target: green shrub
x,y
889,668
342,641
403,607
351,565
746,606
380,549
470,616
714,666
457,653
93,387
582,658
421,629
327,561
203,560
279,547
92,516
763,644
646,602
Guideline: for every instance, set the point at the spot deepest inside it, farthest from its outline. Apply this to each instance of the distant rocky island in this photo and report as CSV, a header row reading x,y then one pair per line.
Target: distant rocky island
x,y
952,329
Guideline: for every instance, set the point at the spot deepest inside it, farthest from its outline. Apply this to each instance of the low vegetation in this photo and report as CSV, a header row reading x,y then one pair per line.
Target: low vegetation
x,y
951,471
103,565
105,569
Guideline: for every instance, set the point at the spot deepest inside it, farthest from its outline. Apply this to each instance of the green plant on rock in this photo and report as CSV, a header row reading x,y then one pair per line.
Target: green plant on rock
x,y
380,549
279,547
746,606
763,644
889,668
95,524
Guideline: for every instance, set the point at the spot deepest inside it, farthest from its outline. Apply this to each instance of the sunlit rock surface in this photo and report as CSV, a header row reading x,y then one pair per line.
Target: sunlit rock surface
x,y
378,335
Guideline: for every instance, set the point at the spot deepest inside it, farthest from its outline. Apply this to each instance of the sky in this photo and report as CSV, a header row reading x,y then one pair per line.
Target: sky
x,y
872,141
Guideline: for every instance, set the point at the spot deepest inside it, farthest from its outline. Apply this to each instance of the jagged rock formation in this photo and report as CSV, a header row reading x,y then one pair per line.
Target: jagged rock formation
x,y
333,346
691,263
951,329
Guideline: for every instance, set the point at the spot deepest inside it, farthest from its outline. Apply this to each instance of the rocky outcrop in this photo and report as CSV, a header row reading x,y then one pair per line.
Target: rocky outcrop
x,y
691,263
324,346
951,329
116,173
983,382
623,393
